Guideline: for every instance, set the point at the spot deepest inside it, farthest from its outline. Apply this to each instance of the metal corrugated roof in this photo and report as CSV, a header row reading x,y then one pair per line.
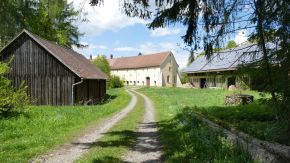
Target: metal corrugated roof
x,y
228,59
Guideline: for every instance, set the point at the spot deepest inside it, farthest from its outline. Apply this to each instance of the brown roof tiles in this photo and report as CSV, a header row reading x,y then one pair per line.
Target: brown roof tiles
x,y
74,61
142,61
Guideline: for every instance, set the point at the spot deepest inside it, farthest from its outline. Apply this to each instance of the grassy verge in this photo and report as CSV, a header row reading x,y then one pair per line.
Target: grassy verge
x,y
118,140
44,127
190,140
257,119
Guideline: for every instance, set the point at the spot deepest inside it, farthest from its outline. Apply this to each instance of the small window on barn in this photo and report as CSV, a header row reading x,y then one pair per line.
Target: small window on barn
x,y
168,79
155,83
169,68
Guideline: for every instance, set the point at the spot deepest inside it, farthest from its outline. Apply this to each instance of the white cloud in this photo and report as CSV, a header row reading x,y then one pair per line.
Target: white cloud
x,y
100,47
159,32
104,17
241,37
168,45
125,48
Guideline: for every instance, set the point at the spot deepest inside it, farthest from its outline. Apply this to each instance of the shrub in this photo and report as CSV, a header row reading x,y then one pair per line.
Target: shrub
x,y
115,82
12,100
184,78
102,63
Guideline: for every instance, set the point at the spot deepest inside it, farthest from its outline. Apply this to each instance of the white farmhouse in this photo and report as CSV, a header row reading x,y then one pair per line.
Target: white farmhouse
x,y
159,69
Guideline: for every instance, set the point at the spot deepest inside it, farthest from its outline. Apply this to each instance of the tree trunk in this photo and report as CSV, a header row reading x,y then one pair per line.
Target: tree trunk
x,y
262,43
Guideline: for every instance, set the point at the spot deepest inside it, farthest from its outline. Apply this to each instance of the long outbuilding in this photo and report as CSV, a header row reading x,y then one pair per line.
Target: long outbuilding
x,y
220,70
54,74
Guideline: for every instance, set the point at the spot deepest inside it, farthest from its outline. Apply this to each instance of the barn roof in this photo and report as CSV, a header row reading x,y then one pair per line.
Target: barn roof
x,y
74,61
140,61
226,60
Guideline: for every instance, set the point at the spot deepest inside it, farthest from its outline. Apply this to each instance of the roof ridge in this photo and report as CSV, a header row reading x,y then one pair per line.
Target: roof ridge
x,y
77,63
154,60
52,42
36,38
148,54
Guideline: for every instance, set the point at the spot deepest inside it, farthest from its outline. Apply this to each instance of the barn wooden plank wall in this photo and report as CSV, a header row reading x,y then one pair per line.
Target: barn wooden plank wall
x,y
90,90
49,82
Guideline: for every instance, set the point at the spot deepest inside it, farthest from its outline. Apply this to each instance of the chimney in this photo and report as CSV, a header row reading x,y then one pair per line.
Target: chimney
x,y
111,56
91,57
139,54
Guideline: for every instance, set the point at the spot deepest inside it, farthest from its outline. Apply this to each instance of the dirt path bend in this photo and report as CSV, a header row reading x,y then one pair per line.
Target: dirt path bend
x,y
69,152
148,147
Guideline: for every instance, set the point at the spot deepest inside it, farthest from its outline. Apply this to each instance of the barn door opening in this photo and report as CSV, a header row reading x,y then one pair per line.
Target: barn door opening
x,y
231,81
202,82
148,81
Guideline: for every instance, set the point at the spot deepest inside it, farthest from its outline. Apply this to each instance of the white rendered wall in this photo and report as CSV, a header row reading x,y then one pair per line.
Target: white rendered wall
x,y
138,76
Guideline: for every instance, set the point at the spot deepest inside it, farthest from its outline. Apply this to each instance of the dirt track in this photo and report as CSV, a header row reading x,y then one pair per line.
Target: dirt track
x,y
71,151
147,148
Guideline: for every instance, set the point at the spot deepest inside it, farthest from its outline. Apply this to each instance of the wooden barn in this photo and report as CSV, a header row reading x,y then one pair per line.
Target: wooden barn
x,y
55,75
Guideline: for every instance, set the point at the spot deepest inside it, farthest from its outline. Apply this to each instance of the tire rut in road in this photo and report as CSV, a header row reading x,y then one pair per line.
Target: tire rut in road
x,y
148,147
71,151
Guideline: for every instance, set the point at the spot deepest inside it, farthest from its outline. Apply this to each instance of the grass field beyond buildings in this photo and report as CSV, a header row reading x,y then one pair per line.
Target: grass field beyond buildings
x,y
44,127
185,138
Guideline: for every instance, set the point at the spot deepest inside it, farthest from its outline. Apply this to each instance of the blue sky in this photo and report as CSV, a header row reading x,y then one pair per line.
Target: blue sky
x,y
108,31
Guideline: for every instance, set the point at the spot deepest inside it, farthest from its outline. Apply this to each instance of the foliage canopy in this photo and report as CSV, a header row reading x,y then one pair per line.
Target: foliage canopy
x,y
50,19
102,63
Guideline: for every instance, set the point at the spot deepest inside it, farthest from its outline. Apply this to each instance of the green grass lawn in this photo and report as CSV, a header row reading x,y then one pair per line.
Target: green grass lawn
x,y
118,140
44,127
190,140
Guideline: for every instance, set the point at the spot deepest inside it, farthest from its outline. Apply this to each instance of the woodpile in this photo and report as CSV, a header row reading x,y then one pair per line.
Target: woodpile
x,y
238,99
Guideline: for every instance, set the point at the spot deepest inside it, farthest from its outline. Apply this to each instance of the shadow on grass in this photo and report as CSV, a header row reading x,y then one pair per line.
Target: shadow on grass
x,y
13,114
187,139
127,139
108,98
256,119
106,159
184,138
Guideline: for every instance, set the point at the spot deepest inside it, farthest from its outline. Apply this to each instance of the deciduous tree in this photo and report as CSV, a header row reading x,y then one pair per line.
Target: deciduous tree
x,y
51,19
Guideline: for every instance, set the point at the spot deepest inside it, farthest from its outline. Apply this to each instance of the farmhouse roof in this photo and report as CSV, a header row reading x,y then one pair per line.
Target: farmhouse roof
x,y
74,61
227,60
140,61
